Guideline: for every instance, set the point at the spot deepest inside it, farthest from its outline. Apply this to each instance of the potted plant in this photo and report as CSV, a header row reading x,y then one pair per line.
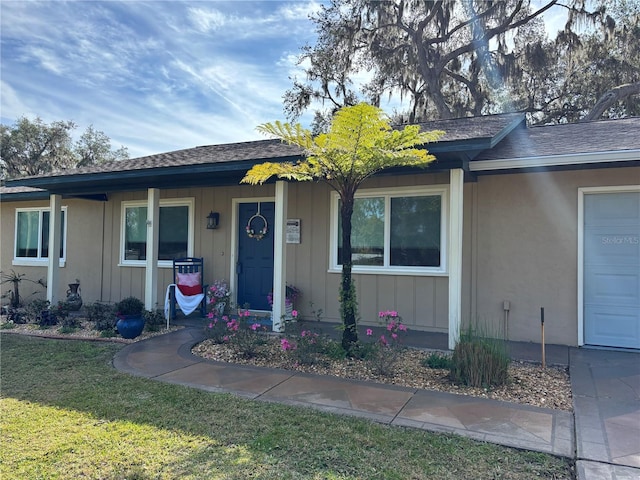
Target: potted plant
x,y
130,317
218,296
291,294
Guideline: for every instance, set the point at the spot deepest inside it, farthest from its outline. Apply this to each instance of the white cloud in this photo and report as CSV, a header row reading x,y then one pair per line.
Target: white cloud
x,y
207,20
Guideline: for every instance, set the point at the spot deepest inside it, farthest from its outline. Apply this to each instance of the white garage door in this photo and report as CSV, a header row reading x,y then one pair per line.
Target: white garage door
x,y
612,269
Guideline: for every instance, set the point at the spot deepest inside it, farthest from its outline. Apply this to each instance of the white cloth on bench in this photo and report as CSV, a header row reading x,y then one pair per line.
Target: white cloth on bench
x,y
187,303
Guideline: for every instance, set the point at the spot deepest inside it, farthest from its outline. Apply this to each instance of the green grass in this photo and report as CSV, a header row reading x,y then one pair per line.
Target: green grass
x,y
67,413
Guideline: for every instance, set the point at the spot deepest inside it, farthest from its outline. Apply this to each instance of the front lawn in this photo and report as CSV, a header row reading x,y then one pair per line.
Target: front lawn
x,y
67,413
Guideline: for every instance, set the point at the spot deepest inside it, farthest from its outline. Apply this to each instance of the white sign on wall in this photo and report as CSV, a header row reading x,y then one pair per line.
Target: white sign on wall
x,y
293,230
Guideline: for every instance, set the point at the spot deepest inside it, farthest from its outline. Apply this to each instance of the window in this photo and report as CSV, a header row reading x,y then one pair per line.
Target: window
x,y
399,231
32,236
175,231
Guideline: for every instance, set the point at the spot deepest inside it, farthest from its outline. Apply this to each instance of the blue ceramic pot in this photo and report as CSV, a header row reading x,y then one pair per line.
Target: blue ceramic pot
x,y
130,326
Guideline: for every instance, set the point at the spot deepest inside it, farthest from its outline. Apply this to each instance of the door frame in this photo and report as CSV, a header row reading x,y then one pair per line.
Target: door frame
x,y
582,191
235,228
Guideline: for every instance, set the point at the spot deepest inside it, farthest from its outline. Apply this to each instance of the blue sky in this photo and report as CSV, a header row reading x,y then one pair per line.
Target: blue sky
x,y
154,76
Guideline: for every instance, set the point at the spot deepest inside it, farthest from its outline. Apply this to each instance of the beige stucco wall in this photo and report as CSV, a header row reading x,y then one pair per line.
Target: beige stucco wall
x,y
84,259
421,300
525,238
520,244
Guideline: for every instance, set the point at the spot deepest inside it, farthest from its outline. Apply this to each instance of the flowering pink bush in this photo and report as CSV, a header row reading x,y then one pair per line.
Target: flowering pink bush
x,y
244,336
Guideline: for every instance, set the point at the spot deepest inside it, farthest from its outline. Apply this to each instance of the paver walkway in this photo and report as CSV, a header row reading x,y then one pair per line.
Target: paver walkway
x,y
606,390
606,400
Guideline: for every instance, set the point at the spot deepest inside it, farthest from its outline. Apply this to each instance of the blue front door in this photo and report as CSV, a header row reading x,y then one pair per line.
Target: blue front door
x,y
255,254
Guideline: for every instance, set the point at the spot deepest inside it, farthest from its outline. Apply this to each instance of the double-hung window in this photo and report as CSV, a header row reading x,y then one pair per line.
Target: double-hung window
x,y
32,236
175,231
394,231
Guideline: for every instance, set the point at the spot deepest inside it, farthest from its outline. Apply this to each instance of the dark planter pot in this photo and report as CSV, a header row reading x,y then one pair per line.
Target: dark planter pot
x,y
130,326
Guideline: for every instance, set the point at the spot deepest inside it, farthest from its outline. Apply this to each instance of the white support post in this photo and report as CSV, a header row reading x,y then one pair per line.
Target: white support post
x,y
53,267
456,198
153,233
280,256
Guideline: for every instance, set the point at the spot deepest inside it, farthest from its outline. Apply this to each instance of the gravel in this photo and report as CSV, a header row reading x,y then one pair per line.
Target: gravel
x,y
528,383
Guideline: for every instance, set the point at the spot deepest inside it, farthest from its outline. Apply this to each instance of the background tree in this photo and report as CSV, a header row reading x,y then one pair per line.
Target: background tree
x,y
359,144
34,147
455,58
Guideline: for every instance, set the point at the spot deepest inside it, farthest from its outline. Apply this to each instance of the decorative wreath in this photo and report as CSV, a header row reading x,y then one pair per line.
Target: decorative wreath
x,y
252,233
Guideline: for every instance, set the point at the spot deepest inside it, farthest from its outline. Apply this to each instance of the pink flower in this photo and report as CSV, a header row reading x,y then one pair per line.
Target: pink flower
x,y
211,325
303,333
369,332
286,345
294,313
255,326
402,327
225,338
210,315
383,340
394,335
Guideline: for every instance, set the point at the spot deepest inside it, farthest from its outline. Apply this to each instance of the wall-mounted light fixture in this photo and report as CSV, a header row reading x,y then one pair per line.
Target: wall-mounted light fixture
x,y
213,220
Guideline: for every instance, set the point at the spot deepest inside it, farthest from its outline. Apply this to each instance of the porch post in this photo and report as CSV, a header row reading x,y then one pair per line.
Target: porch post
x,y
53,267
280,255
153,233
456,180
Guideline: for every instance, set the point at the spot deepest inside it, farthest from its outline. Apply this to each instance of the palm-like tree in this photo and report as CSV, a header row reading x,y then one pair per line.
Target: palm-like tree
x,y
359,144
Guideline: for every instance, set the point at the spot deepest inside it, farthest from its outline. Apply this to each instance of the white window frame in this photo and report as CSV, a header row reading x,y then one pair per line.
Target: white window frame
x,y
388,193
173,202
38,261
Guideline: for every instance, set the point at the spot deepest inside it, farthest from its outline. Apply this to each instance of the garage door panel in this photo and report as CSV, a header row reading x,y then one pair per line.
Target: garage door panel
x,y
616,209
612,245
612,269
612,285
607,328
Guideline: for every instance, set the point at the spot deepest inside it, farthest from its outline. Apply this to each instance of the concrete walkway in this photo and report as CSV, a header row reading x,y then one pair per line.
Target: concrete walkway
x,y
603,451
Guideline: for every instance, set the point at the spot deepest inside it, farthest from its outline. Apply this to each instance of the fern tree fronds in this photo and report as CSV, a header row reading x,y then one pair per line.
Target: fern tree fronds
x,y
359,144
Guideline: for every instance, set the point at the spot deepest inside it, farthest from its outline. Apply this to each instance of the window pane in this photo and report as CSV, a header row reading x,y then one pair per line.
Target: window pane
x,y
44,241
135,243
415,231
174,232
27,237
367,232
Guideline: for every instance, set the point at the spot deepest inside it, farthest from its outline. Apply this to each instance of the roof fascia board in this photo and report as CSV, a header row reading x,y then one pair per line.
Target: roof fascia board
x,y
555,160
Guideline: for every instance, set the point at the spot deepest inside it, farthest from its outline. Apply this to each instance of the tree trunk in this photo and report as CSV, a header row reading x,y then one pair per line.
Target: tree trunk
x,y
348,303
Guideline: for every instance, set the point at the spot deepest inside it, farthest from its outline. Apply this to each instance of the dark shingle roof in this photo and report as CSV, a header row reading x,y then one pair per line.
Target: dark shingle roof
x,y
229,152
568,139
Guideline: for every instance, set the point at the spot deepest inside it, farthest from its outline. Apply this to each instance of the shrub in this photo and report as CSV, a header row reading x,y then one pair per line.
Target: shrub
x,y
307,347
62,312
154,320
33,313
241,332
130,306
479,361
437,360
103,315
216,329
382,355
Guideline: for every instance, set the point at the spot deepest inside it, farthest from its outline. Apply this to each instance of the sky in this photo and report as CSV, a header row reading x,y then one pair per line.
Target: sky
x,y
154,76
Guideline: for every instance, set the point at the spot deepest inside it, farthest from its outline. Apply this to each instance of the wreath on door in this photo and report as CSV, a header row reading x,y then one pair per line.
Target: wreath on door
x,y
253,232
